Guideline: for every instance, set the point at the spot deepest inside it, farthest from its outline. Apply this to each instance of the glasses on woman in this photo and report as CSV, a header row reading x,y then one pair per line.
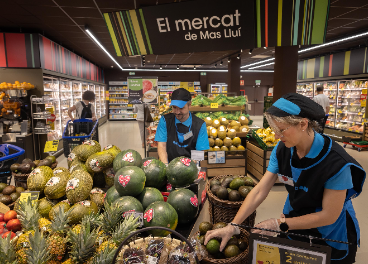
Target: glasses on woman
x,y
280,131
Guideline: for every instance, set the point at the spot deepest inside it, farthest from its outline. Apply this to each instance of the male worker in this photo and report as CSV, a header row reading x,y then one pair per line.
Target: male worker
x,y
180,132
323,101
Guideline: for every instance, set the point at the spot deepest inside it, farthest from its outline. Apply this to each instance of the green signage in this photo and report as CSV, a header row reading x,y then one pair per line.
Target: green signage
x,y
203,73
131,73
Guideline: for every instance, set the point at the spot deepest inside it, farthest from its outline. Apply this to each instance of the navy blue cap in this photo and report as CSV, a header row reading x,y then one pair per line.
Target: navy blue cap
x,y
180,97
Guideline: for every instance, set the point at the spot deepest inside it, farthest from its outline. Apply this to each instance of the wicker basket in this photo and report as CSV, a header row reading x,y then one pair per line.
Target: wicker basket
x,y
239,259
20,180
224,210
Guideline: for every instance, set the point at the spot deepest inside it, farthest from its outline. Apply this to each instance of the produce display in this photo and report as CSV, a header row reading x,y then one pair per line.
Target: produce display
x,y
16,85
267,136
27,165
201,100
232,188
67,225
222,133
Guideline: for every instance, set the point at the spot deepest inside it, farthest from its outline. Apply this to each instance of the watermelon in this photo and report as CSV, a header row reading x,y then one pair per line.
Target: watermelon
x,y
127,157
160,214
181,172
149,195
111,195
185,203
149,158
129,181
129,203
155,171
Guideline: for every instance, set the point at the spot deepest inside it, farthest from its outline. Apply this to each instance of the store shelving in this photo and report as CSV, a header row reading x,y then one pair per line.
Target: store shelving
x,y
330,90
119,109
305,89
218,88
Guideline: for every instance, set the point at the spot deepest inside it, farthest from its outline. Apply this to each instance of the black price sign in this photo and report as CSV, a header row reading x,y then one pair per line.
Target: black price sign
x,y
274,250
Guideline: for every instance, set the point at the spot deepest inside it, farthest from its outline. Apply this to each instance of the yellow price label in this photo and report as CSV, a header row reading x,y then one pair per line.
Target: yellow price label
x,y
342,88
29,194
214,105
364,91
353,123
350,129
130,105
51,146
340,112
267,254
357,131
359,113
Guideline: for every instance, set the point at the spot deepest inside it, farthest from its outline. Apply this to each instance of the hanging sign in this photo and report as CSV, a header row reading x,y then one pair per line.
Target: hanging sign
x,y
142,90
267,250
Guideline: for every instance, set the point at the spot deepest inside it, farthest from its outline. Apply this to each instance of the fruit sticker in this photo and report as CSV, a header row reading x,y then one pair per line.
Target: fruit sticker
x,y
147,162
85,203
71,157
35,171
89,142
66,201
204,195
72,184
169,187
108,147
57,171
94,164
110,173
128,212
202,175
124,180
53,181
148,215
194,201
185,161
128,157
72,168
96,190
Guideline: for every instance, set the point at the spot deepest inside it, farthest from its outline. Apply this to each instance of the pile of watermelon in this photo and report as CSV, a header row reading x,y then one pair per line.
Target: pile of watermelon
x,y
138,184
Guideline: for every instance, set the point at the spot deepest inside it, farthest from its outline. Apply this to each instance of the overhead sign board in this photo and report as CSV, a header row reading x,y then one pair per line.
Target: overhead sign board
x,y
142,90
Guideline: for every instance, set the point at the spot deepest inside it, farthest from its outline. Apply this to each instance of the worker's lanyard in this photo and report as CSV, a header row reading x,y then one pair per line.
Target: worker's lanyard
x,y
181,136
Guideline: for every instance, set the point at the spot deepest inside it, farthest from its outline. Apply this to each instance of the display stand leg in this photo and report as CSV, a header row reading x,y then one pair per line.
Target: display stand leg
x,y
144,130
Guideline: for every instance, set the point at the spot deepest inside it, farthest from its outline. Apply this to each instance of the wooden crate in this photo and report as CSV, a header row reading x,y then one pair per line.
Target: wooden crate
x,y
235,165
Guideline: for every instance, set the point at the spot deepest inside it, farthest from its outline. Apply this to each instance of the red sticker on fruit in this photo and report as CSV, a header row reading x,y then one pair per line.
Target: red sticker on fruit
x,y
71,157
72,184
128,157
148,215
185,161
124,180
147,162
194,201
128,212
169,187
95,165
204,195
105,196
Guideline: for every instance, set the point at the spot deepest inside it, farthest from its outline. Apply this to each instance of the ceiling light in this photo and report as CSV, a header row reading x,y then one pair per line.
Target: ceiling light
x,y
221,63
112,66
177,67
250,51
160,67
261,65
241,50
265,47
258,62
228,59
143,56
215,65
103,48
238,56
194,68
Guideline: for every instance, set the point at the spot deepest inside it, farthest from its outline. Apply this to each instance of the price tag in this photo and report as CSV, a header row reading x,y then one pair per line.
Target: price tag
x,y
359,113
364,91
357,131
350,129
51,146
197,155
29,194
340,112
353,123
214,105
130,105
215,157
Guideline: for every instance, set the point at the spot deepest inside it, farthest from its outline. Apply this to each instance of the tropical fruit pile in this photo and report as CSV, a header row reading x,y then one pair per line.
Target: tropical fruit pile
x,y
232,188
9,193
27,165
234,246
9,224
201,100
222,134
267,136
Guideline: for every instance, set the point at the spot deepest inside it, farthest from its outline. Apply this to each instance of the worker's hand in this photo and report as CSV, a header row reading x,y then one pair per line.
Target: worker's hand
x,y
224,233
72,118
94,119
272,224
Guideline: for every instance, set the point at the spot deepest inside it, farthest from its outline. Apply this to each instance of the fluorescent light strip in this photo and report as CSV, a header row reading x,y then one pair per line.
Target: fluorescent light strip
x,y
103,48
261,65
198,70
248,65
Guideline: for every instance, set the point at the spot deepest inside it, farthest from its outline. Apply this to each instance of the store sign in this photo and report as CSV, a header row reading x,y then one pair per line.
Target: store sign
x,y
188,86
266,249
131,73
241,82
258,82
203,73
216,157
142,90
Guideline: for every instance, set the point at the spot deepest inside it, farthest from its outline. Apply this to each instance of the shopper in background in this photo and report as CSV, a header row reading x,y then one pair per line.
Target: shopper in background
x,y
139,109
323,101
84,108
320,177
180,132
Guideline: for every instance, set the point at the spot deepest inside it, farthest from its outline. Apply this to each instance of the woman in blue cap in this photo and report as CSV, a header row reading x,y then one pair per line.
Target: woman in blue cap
x,y
180,132
320,177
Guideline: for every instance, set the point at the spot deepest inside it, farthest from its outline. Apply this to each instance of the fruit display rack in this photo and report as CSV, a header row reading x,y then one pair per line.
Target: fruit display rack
x,y
169,87
119,109
305,89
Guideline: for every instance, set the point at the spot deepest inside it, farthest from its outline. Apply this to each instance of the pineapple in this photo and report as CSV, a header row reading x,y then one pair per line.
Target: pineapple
x,y
111,217
53,262
38,253
22,256
28,215
44,225
105,256
93,219
68,261
77,228
57,240
7,252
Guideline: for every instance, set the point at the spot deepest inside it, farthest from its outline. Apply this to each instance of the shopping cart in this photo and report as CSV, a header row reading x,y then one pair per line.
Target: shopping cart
x,y
77,131
6,160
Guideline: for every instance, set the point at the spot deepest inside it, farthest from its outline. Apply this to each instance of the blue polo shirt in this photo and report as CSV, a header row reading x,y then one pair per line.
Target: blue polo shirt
x,y
341,181
202,140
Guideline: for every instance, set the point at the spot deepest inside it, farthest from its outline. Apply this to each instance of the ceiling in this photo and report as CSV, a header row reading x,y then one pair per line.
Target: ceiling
x,y
63,21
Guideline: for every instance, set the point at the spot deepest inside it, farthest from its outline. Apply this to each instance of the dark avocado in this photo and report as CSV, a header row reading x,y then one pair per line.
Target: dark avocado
x,y
14,167
2,186
215,188
219,225
248,181
45,162
204,227
243,245
19,189
9,190
232,241
6,199
25,161
25,168
222,193
231,251
244,190
226,182
215,182
234,195
15,196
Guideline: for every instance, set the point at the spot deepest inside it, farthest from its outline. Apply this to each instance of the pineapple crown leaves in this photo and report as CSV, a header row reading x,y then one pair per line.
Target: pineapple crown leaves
x,y
112,216
39,252
106,256
60,221
28,214
93,219
7,252
83,244
124,229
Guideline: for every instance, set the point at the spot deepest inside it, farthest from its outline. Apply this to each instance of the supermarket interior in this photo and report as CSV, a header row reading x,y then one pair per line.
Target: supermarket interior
x,y
92,92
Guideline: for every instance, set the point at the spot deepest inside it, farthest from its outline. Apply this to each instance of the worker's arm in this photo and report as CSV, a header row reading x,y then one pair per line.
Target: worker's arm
x,y
327,109
162,153
70,110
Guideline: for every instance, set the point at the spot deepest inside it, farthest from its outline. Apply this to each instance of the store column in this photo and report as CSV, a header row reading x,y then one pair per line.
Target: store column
x,y
285,71
233,76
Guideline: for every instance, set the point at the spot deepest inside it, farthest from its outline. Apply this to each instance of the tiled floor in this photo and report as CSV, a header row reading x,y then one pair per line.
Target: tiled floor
x,y
126,135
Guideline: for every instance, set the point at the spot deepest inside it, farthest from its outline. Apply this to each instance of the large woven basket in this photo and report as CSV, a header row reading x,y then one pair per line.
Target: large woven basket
x,y
20,180
224,210
239,259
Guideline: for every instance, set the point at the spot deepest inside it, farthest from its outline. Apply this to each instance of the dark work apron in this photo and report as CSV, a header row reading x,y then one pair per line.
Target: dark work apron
x,y
307,178
174,146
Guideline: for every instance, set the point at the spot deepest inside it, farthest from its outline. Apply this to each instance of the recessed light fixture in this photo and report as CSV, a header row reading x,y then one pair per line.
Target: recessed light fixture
x,y
261,65
112,66
250,51
258,62
265,47
177,67
103,48
228,59
221,63
160,67
215,65
238,56
194,67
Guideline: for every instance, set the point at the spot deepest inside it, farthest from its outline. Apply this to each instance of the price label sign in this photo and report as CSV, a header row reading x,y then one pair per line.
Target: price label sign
x,y
214,105
51,146
273,250
29,194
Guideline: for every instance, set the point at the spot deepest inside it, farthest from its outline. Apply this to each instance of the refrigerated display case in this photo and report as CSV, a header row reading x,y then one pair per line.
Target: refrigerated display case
x,y
305,89
330,90
217,88
119,109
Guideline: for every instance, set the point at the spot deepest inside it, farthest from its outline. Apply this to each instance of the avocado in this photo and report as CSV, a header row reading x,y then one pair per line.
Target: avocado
x,y
248,181
225,183
214,182
204,227
15,196
213,246
236,183
231,251
25,168
215,188
201,240
219,225
234,195
52,158
45,162
232,241
14,167
244,190
222,193
6,199
25,161
243,245
36,162
19,189
2,186
9,190
229,190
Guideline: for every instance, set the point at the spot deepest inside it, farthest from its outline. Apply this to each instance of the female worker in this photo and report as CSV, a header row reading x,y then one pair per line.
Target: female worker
x,y
320,177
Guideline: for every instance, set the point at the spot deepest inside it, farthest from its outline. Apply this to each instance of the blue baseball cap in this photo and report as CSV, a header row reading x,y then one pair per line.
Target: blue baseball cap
x,y
180,97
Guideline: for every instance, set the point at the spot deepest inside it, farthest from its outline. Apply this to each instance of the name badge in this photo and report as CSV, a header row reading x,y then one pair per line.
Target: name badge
x,y
188,135
285,179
